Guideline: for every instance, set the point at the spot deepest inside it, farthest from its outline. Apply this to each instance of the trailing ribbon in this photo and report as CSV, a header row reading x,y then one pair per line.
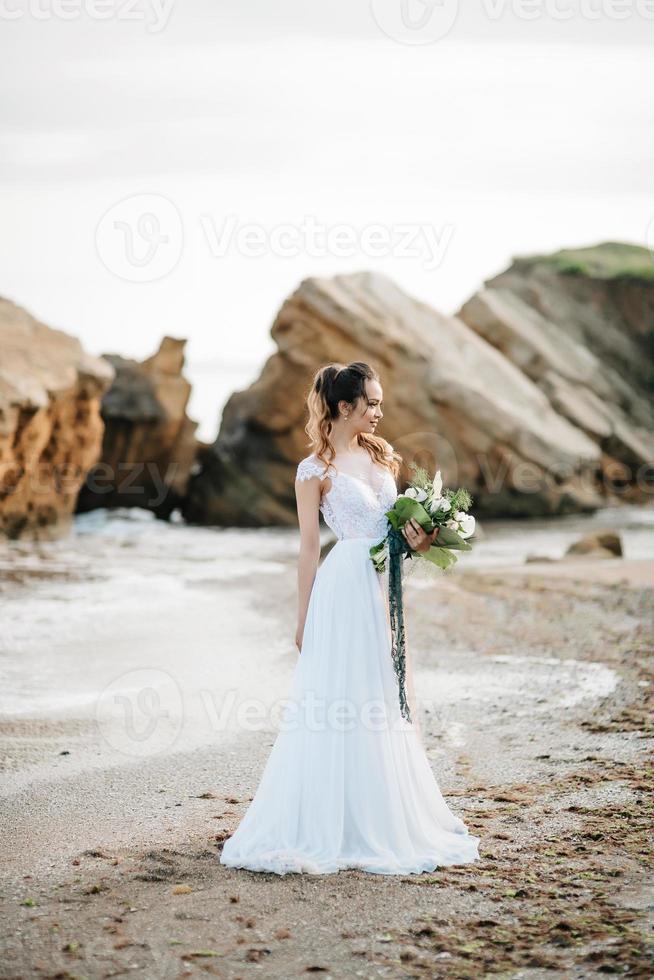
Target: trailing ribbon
x,y
396,552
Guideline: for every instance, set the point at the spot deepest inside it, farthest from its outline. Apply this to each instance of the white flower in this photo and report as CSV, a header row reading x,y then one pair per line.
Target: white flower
x,y
440,505
438,484
462,523
416,493
467,523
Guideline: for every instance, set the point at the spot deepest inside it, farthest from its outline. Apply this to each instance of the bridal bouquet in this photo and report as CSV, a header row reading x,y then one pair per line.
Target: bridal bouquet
x,y
431,506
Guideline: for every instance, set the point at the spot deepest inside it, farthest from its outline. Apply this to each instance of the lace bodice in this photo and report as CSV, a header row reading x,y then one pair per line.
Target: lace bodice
x,y
351,507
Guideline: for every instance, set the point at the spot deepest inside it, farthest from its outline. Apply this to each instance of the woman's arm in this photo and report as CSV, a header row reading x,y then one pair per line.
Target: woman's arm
x,y
307,495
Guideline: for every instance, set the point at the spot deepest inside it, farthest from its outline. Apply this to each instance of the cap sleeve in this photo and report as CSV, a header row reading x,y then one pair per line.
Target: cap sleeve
x,y
309,467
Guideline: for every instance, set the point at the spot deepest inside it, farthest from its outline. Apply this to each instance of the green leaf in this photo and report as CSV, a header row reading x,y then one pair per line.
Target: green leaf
x,y
448,538
438,556
404,509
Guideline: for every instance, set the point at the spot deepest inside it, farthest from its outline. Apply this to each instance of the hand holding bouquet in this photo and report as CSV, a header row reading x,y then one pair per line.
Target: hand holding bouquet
x,y
434,509
426,504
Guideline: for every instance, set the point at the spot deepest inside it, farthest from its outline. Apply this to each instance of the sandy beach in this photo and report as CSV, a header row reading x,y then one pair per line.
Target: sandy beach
x,y
129,656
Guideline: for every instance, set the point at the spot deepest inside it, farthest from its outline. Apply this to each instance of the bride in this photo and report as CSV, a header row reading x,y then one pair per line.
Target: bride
x,y
347,783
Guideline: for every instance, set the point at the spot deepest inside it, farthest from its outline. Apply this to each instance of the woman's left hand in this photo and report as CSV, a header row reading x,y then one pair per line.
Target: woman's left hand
x,y
417,537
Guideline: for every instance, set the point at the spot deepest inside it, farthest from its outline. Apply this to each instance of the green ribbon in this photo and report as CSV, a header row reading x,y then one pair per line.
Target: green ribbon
x,y
397,549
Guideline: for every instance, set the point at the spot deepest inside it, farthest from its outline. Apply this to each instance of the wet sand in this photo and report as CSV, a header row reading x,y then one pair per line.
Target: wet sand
x,y
535,686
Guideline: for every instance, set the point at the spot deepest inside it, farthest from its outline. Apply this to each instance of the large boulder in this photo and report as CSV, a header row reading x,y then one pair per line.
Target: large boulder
x,y
580,325
451,400
50,425
149,444
597,544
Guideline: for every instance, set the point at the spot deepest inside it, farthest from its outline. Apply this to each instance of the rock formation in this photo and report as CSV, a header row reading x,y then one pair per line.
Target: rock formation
x,y
580,325
50,425
523,441
149,444
597,544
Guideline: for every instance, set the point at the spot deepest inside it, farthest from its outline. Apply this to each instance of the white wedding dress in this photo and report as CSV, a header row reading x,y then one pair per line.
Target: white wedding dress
x,y
347,783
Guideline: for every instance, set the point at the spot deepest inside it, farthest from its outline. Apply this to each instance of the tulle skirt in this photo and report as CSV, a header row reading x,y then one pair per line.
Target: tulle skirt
x,y
347,783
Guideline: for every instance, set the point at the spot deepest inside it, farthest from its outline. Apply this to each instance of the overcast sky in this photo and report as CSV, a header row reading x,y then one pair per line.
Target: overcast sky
x,y
482,130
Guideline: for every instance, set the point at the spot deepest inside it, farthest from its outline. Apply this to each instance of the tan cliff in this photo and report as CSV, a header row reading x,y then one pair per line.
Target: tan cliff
x,y
50,424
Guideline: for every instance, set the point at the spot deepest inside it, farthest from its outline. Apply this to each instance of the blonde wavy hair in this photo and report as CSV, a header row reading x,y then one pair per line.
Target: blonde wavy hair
x,y
343,382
